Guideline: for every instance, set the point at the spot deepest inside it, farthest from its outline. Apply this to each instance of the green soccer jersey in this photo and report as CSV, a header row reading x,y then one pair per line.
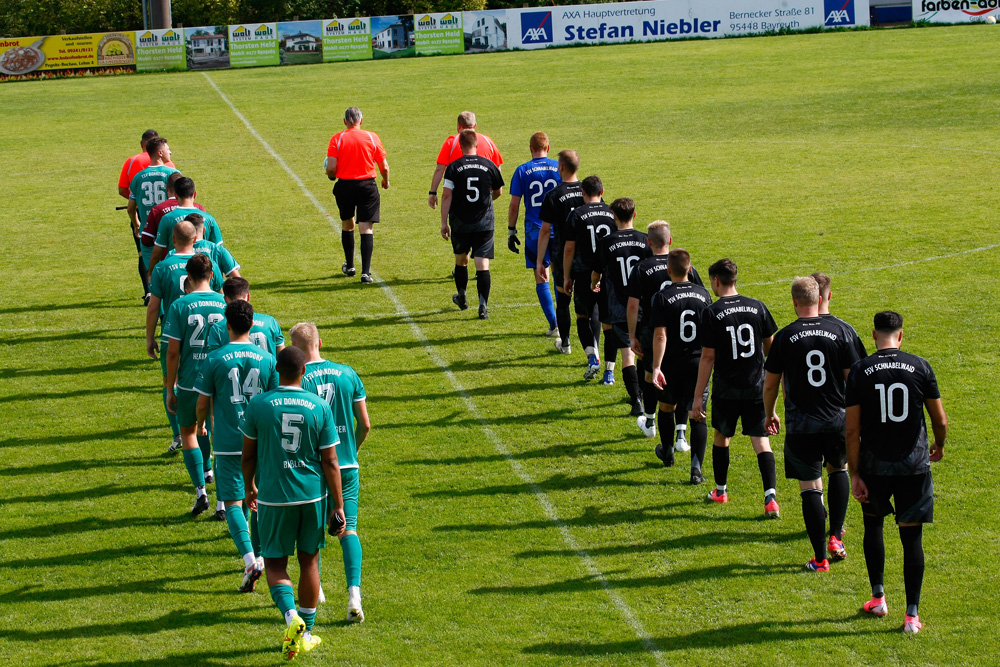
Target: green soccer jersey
x,y
165,232
232,375
215,252
341,388
187,321
149,188
291,426
265,334
169,277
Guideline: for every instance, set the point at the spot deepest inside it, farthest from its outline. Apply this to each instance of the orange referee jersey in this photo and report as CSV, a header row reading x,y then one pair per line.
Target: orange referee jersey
x,y
451,150
133,166
357,151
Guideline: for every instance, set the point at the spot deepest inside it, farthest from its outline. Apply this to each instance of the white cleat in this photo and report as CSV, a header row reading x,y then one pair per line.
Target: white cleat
x,y
681,443
553,332
912,625
354,612
560,348
648,431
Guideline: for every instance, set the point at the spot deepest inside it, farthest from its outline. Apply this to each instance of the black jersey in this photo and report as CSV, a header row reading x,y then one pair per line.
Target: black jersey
x,y
472,180
647,278
617,255
850,334
735,327
812,355
890,386
586,225
679,307
556,207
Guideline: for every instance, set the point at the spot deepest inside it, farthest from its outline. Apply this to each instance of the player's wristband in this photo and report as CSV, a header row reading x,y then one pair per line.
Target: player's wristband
x,y
433,192
511,231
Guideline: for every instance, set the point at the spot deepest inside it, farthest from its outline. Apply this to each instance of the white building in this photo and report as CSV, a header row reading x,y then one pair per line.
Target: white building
x,y
391,39
207,46
488,33
302,43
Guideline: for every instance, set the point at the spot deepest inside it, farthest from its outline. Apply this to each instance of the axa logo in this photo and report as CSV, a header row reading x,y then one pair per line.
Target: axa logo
x,y
838,13
536,28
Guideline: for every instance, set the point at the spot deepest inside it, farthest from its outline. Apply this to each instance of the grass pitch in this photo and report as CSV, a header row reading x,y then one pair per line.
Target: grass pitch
x,y
868,155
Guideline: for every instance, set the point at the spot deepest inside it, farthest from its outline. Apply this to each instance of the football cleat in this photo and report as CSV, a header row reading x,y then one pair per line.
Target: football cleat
x,y
666,456
250,577
220,515
310,641
696,476
593,367
912,625
818,566
771,510
484,314
609,378
366,278
145,299
292,643
681,443
348,270
460,301
877,607
209,477
200,505
647,426
717,497
835,548
562,349
553,332
354,612
636,409
174,446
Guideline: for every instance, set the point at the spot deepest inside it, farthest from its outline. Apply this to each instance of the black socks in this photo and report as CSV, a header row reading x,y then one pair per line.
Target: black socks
x,y
874,546
483,283
367,246
720,464
610,349
913,565
698,439
584,333
143,277
814,515
347,240
765,461
630,377
650,394
665,422
839,491
562,316
595,326
461,279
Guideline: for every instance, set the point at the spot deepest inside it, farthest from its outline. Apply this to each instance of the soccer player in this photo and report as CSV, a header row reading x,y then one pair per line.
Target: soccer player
x,y
185,190
136,163
148,237
351,159
585,226
341,387
530,183
147,189
166,286
227,380
556,207
451,150
648,277
617,255
889,457
218,253
184,328
471,185
736,333
675,317
825,294
810,358
265,332
290,442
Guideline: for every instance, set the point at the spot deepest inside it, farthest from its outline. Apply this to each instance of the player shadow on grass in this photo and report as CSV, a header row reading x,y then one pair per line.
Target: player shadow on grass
x,y
460,417
125,333
599,583
120,365
37,593
557,482
91,493
104,391
90,524
572,451
116,435
78,305
488,390
203,658
591,516
188,547
709,540
741,634
78,465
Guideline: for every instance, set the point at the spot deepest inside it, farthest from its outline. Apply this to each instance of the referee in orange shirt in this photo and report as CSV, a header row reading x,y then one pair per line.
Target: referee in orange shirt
x,y
351,160
451,151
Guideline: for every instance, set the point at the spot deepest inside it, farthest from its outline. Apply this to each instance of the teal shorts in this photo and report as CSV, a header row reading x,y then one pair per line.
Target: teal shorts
x,y
285,528
187,406
229,477
350,486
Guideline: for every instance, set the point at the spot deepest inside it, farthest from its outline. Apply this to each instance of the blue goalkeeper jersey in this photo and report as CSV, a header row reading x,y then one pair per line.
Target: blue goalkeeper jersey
x,y
532,181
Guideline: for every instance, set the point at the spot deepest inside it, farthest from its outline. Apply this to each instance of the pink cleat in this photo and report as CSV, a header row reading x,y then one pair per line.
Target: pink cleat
x,y
818,566
877,607
771,510
835,548
717,497
912,625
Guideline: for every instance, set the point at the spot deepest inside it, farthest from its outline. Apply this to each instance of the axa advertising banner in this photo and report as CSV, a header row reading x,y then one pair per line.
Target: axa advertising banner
x,y
674,19
955,11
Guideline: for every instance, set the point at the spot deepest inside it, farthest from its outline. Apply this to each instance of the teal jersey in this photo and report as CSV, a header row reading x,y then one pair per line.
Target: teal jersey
x,y
291,426
215,252
165,232
265,334
341,388
187,321
149,188
169,277
233,375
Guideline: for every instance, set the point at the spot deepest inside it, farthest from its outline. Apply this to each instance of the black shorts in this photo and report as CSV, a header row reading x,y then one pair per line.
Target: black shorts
x,y
357,199
682,380
726,412
618,334
914,496
480,244
807,453
584,299
645,337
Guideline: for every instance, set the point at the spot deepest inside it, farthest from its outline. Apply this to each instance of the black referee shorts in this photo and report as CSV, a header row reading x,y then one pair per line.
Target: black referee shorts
x,y
479,244
806,453
357,199
914,496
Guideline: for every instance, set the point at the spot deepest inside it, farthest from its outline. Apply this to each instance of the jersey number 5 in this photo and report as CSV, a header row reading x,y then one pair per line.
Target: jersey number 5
x,y
290,427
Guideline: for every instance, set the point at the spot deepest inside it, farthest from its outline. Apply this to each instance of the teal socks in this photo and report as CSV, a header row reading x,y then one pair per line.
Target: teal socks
x,y
194,464
284,599
351,546
239,530
309,616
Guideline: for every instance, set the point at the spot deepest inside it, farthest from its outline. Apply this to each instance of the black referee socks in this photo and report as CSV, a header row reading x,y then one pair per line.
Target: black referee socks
x,y
562,316
483,283
461,279
814,514
347,240
367,246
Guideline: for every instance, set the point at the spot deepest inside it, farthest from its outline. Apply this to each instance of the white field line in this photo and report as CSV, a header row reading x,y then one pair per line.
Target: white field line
x,y
543,500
